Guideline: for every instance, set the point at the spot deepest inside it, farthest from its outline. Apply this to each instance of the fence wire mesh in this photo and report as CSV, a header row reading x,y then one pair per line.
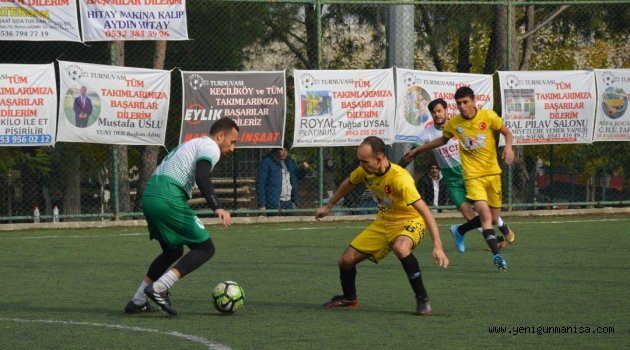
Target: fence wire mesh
x,y
453,36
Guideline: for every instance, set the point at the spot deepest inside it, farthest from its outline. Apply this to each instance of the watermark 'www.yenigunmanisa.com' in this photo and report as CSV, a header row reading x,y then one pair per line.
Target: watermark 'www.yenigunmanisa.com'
x,y
540,330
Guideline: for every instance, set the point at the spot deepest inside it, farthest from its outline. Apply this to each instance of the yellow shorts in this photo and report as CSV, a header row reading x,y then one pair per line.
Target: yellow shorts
x,y
377,239
486,188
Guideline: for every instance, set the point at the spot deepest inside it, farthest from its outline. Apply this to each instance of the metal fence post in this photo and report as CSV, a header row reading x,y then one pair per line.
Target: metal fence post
x,y
510,58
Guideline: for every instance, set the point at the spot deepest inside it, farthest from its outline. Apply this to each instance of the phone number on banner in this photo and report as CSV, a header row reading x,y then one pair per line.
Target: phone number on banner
x,y
24,139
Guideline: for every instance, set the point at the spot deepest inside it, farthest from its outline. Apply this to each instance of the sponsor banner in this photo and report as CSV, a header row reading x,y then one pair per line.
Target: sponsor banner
x,y
255,100
551,107
415,89
112,105
111,20
342,107
39,20
28,105
612,120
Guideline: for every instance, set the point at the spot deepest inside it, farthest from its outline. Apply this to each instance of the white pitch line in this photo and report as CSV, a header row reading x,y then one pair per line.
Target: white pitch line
x,y
193,338
79,236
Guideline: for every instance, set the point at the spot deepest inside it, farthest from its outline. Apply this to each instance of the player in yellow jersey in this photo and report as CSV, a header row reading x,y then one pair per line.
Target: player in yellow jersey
x,y
475,130
399,226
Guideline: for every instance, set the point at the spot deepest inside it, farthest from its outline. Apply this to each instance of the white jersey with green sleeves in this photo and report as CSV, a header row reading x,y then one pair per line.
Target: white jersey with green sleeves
x,y
180,164
446,156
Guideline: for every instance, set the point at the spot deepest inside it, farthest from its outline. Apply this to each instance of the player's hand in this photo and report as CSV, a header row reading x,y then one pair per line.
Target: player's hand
x,y
508,155
409,155
321,212
224,216
440,258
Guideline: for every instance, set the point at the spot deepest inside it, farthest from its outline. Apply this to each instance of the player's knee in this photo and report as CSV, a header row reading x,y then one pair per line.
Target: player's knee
x,y
401,250
206,248
346,262
173,254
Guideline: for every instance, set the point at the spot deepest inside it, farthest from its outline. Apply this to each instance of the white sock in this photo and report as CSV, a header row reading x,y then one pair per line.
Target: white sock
x,y
165,282
140,298
500,222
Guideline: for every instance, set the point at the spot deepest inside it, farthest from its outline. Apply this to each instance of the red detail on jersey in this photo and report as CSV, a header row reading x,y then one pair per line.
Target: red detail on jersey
x,y
388,189
482,126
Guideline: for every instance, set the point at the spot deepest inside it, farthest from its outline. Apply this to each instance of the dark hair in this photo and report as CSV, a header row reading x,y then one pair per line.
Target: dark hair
x,y
223,124
378,146
433,164
463,92
437,101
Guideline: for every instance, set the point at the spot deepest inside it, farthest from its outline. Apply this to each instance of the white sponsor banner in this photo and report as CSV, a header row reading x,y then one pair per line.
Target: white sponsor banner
x,y
111,20
28,105
342,107
550,107
612,120
39,20
415,89
112,105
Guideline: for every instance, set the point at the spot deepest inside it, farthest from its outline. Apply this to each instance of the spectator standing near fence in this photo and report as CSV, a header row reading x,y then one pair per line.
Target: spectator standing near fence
x,y
277,180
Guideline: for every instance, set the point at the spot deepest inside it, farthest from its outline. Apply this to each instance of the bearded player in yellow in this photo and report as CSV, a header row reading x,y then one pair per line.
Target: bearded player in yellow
x,y
399,226
475,130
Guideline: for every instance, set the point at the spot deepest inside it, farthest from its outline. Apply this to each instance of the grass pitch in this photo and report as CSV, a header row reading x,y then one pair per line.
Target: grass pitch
x,y
566,287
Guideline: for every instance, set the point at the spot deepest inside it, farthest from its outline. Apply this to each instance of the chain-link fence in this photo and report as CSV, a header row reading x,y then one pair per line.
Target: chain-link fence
x,y
454,36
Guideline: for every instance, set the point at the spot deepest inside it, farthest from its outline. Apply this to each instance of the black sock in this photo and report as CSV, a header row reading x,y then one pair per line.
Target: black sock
x,y
412,269
491,240
347,282
470,225
505,230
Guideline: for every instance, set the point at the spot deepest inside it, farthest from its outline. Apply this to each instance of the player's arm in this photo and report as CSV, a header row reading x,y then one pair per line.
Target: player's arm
x,y
438,252
440,141
343,189
204,182
508,153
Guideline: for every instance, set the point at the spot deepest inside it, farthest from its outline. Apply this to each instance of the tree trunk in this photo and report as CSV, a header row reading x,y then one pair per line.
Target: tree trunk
x,y
528,43
463,47
72,195
124,205
149,154
310,22
496,56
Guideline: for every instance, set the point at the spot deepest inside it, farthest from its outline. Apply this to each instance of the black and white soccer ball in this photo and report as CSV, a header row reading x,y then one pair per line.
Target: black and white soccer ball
x,y
228,296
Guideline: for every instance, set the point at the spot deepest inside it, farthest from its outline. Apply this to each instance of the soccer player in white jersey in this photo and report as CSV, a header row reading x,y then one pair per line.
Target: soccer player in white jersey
x,y
447,157
172,222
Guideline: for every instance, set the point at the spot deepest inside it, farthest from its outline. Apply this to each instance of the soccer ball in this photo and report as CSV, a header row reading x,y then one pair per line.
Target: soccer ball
x,y
228,296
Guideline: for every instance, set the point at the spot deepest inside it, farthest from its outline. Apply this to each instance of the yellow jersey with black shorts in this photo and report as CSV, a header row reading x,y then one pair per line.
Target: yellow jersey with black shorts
x,y
394,191
478,152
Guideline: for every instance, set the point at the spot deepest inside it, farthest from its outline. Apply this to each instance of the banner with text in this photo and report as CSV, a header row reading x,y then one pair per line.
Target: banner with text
x,y
612,120
112,105
550,107
28,105
415,89
39,20
255,100
110,20
342,107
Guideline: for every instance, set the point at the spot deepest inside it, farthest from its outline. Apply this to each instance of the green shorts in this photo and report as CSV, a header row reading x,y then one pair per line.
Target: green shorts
x,y
457,191
171,221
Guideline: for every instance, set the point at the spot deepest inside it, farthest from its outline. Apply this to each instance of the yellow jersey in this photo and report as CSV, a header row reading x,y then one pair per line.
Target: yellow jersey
x,y
477,143
394,192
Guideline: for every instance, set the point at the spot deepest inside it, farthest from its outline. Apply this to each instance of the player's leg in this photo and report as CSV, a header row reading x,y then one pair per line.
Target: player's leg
x,y
403,249
371,243
159,265
347,275
457,192
508,234
492,186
